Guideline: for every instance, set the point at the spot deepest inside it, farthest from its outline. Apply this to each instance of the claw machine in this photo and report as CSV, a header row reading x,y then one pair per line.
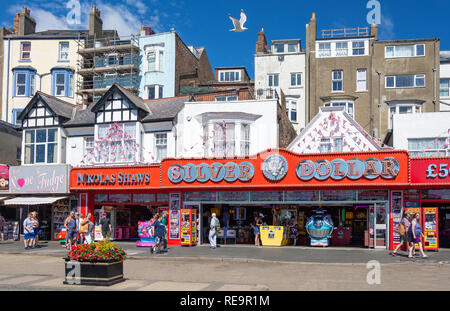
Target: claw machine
x,y
189,225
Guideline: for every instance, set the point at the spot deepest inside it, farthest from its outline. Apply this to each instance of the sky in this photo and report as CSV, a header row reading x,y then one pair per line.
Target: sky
x,y
206,23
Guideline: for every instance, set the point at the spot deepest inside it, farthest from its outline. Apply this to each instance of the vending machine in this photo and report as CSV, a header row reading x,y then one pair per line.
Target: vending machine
x,y
188,227
430,219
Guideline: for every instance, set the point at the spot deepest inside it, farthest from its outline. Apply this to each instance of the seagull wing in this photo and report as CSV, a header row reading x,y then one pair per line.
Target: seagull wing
x,y
243,19
236,23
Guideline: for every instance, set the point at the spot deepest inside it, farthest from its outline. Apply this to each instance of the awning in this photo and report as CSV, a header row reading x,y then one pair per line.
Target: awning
x,y
32,200
2,198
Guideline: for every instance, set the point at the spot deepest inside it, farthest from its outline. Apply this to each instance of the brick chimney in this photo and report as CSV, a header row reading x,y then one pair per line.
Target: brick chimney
x,y
311,33
261,44
374,31
24,24
147,31
95,23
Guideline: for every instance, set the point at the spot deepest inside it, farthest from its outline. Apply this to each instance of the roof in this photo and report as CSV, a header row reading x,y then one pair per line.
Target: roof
x,y
9,128
445,56
60,107
60,33
135,100
165,108
82,116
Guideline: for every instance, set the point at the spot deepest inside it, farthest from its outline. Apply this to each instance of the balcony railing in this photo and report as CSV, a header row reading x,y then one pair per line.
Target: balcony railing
x,y
345,32
266,94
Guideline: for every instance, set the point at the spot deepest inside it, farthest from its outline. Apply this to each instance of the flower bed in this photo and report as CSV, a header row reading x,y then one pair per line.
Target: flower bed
x,y
102,251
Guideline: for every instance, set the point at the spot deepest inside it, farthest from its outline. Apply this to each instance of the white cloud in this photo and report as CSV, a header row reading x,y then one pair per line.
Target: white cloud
x,y
386,28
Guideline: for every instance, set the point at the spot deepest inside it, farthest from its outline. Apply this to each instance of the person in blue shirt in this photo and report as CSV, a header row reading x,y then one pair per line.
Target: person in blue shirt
x,y
159,233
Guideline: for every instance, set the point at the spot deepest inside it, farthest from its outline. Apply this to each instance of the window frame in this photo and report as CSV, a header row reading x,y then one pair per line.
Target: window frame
x,y
60,51
22,51
338,103
296,76
448,87
359,80
123,140
17,85
333,80
273,75
415,46
158,91
415,78
397,107
158,144
46,144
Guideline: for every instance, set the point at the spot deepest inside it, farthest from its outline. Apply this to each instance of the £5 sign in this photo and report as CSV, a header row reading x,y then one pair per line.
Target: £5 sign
x,y
430,170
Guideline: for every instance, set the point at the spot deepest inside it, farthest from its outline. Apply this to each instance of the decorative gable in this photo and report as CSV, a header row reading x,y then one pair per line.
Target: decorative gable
x,y
38,115
333,130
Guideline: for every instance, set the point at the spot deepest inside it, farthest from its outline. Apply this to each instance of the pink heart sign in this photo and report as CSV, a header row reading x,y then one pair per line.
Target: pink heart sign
x,y
21,182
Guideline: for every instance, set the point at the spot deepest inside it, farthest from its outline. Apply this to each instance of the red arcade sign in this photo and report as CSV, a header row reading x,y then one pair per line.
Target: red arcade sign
x,y
430,171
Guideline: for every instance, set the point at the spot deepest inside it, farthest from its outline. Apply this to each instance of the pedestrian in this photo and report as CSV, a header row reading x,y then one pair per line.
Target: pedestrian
x,y
415,232
77,228
28,231
2,224
256,229
403,229
159,233
34,217
71,229
83,229
87,228
165,221
293,230
106,226
214,227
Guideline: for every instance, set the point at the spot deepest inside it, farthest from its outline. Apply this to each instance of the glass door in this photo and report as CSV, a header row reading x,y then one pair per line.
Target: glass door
x,y
380,225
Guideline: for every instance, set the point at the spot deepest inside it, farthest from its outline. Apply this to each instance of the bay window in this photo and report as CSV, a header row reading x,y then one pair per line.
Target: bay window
x,y
24,82
41,146
62,83
21,84
226,138
347,105
154,57
403,108
117,143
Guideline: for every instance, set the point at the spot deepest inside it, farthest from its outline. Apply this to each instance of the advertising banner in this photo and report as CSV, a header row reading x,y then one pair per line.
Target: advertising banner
x,y
4,177
430,171
39,179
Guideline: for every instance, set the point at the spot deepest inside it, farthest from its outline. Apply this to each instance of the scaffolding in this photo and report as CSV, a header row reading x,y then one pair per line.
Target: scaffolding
x,y
104,61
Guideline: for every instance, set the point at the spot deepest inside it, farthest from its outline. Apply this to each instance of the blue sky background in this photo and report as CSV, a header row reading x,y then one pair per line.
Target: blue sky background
x,y
206,23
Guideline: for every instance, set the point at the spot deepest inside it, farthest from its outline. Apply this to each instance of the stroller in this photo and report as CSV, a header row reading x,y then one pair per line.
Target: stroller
x,y
157,245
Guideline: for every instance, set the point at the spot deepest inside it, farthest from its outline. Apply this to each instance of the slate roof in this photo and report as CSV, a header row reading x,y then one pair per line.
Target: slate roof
x,y
165,108
61,33
9,128
82,116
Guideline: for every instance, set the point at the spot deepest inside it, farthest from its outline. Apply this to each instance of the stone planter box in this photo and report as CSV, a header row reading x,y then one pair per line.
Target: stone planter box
x,y
89,273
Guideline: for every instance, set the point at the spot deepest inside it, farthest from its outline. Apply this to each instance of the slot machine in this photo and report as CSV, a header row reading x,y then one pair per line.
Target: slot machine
x,y
188,227
430,227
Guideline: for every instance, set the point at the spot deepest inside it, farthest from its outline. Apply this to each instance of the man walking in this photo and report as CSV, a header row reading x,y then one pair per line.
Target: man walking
x,y
86,227
214,227
2,224
165,222
402,230
159,233
106,226
28,231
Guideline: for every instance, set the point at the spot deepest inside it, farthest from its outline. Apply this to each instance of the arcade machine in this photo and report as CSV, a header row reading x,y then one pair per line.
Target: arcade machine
x,y
319,228
188,227
430,227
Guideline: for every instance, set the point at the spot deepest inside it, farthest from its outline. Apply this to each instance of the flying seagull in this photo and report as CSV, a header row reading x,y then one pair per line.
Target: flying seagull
x,y
239,24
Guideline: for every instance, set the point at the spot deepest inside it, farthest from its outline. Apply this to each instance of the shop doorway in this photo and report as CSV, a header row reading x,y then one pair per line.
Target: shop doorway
x,y
355,225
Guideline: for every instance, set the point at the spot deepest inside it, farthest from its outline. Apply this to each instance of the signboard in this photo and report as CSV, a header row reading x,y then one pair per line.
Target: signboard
x,y
120,178
430,171
39,179
4,177
279,167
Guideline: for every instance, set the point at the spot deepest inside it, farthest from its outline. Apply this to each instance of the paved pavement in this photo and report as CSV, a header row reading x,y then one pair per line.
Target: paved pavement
x,y
247,253
232,268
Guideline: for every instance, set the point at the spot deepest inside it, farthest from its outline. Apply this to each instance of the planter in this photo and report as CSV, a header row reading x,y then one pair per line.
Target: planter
x,y
93,273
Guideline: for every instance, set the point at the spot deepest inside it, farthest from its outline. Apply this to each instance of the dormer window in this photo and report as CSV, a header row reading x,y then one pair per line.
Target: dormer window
x,y
229,76
278,48
292,47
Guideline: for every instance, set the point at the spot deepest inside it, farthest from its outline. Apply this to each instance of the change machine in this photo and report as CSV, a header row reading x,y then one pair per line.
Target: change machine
x,y
430,228
188,226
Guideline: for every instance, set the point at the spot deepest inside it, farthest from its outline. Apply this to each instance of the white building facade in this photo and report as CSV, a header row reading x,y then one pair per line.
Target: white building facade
x,y
423,134
282,68
445,81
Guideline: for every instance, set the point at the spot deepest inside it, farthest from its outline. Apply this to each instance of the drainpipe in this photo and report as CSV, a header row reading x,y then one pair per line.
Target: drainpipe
x,y
434,77
7,79
379,104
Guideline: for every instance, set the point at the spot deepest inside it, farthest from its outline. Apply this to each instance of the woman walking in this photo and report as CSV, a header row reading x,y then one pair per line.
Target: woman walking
x,y
415,233
256,229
